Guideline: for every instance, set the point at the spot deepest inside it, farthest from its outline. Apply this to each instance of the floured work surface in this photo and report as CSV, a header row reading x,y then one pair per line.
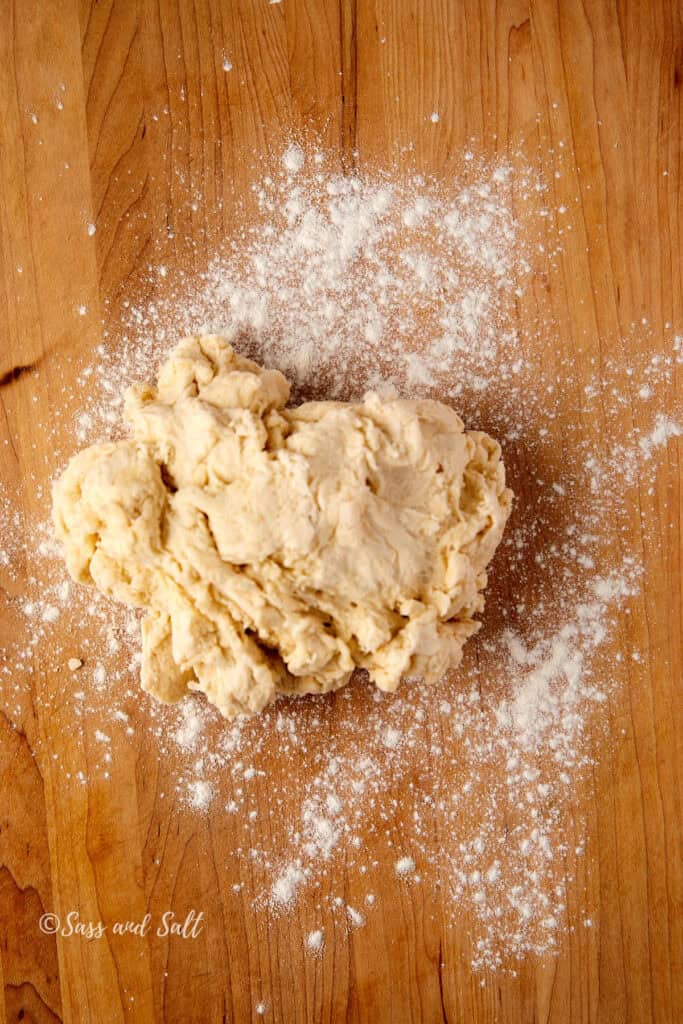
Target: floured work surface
x,y
488,830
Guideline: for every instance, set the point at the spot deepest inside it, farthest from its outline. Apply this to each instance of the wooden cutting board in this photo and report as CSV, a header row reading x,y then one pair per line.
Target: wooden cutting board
x,y
80,143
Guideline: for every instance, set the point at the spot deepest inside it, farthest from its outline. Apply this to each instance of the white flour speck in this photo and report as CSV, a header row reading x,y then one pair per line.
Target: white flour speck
x,y
405,866
315,941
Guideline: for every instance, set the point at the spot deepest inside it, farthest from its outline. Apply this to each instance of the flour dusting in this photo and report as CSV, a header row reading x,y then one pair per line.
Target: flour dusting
x,y
471,788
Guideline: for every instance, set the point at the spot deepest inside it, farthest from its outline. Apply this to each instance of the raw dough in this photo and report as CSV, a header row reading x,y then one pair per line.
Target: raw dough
x,y
276,549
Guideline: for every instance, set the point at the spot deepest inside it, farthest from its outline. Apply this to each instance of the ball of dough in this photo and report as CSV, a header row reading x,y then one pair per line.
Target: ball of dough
x,y
277,549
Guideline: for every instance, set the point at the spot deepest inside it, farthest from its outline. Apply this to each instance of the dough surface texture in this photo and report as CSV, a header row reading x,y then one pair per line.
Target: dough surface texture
x,y
276,549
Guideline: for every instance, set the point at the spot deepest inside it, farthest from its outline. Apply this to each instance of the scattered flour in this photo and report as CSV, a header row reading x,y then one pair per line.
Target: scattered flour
x,y
293,159
663,430
554,682
201,793
355,917
285,887
346,283
405,866
315,941
191,726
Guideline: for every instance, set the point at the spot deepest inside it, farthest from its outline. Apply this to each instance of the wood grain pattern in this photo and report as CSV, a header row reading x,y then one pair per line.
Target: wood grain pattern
x,y
150,117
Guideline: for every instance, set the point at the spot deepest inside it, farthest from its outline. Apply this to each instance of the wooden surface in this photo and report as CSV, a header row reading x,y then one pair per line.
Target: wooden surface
x,y
364,74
